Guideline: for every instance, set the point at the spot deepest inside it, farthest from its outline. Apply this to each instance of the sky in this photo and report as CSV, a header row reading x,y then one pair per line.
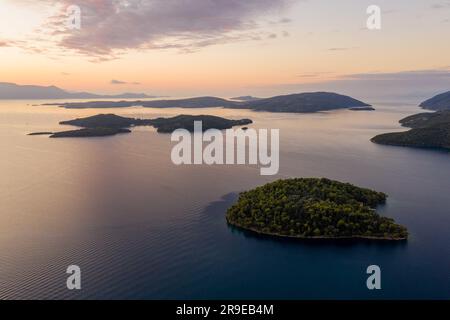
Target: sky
x,y
227,47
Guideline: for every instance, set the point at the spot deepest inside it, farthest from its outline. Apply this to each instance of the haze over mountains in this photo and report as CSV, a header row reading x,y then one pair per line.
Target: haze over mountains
x,y
15,91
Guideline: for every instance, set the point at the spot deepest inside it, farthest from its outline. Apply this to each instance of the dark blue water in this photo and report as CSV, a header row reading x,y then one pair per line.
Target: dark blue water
x,y
140,227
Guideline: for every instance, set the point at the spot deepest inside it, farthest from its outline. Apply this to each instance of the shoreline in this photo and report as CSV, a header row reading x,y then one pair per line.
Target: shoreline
x,y
278,235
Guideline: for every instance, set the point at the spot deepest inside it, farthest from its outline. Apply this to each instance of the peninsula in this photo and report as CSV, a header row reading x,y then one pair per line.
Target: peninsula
x,y
314,208
428,130
438,103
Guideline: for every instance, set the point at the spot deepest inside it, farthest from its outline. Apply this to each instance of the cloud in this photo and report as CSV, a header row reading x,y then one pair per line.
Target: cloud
x,y
123,82
4,43
341,48
109,27
117,82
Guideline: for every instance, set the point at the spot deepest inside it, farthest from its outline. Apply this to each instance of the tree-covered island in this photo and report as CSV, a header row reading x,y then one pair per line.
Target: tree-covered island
x,y
110,124
314,208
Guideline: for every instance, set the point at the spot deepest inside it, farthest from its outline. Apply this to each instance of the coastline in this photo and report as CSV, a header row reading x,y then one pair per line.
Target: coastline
x,y
278,235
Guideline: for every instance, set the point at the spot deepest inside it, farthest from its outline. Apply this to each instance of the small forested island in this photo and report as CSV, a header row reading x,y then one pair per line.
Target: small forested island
x,y
315,208
428,130
110,124
168,125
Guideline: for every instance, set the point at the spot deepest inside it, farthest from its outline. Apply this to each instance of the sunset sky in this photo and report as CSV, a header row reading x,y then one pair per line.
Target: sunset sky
x,y
223,47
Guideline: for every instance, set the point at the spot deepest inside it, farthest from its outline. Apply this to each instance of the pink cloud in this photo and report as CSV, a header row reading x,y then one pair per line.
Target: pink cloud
x,y
108,27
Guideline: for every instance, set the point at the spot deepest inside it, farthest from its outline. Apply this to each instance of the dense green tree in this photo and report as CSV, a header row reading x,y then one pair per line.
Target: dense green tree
x,y
310,207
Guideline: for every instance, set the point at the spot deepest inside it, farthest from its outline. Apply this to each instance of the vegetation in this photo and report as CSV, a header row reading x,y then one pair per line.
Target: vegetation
x,y
89,132
302,102
314,208
168,125
106,121
429,130
111,124
427,119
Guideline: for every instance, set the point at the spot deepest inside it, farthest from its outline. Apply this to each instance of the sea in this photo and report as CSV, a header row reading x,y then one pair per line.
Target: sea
x,y
140,227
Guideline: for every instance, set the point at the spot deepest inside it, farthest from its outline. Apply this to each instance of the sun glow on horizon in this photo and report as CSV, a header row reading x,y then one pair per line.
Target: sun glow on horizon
x,y
303,43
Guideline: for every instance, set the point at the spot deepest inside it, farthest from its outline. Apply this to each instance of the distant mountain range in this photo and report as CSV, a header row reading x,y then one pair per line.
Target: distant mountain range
x,y
15,91
438,103
302,102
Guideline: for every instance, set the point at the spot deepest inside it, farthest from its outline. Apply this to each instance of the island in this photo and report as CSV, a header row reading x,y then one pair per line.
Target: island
x,y
362,109
294,103
314,208
110,124
437,103
197,102
44,133
428,130
89,132
304,103
168,125
107,121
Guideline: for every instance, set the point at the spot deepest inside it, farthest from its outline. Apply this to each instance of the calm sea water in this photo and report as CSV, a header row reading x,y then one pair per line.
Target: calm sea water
x,y
141,227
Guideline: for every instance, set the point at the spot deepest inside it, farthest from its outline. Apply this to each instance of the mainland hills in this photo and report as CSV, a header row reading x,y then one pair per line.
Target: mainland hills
x,y
299,103
427,130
